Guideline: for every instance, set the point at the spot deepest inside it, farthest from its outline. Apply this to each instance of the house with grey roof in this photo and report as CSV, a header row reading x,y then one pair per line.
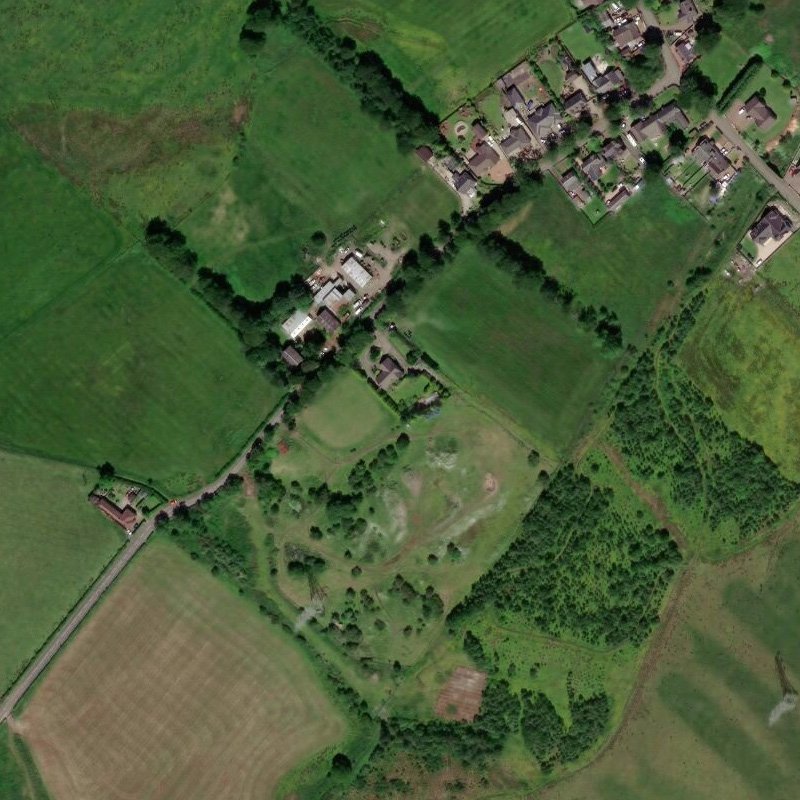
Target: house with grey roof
x,y
772,226
464,182
594,167
514,97
575,103
516,141
708,156
613,149
545,121
602,82
291,357
572,185
688,13
660,122
484,159
627,37
760,113
618,199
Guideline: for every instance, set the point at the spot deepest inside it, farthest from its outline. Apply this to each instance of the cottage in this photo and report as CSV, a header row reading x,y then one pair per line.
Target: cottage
x,y
713,160
291,357
484,159
575,104
328,320
355,272
758,111
772,226
389,369
516,141
296,324
124,517
660,122
544,122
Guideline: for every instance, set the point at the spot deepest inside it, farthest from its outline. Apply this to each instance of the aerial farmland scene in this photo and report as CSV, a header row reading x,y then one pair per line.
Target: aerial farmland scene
x,y
400,399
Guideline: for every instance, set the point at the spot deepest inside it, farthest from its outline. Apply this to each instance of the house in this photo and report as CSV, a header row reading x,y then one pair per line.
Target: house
x,y
124,517
713,160
660,122
575,104
521,77
688,13
684,52
602,82
516,141
355,272
544,122
619,199
479,133
514,97
772,226
613,149
484,159
594,167
389,370
627,37
291,357
425,153
465,183
328,320
296,324
758,111
571,184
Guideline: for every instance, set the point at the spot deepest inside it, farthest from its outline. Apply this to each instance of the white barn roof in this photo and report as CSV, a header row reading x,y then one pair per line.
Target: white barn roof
x,y
355,272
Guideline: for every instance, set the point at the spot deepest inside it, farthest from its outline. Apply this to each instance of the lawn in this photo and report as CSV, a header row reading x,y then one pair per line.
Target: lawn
x,y
442,53
313,160
580,43
53,543
511,349
700,727
135,370
722,60
346,414
51,234
783,271
176,688
627,260
743,352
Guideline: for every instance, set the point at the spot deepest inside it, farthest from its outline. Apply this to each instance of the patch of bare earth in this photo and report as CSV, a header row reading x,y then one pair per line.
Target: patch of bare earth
x,y
460,698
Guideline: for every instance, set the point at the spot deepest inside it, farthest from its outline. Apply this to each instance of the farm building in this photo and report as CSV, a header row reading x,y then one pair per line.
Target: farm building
x,y
328,320
355,272
124,517
291,357
296,324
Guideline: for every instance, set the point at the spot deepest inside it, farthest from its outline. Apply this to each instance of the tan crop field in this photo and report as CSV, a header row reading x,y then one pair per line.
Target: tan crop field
x,y
175,689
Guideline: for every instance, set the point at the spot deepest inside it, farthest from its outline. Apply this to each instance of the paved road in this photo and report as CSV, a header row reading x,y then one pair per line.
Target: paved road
x,y
109,575
672,70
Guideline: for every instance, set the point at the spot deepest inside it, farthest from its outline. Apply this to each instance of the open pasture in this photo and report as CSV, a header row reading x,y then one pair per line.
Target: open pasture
x,y
446,53
743,352
700,726
134,370
626,261
175,688
510,348
53,544
312,161
19,778
51,234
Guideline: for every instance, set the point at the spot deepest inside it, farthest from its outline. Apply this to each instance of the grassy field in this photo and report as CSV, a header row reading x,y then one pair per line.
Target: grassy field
x,y
19,778
51,234
176,688
444,55
742,351
53,543
511,349
605,263
723,60
346,414
783,272
582,44
134,370
313,160
700,727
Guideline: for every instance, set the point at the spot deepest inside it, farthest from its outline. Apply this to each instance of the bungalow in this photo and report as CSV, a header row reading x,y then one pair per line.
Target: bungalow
x,y
571,184
328,320
758,111
355,272
291,357
602,82
613,149
296,324
516,141
619,199
772,226
627,37
389,370
545,121
659,123
124,517
484,159
575,104
594,167
713,160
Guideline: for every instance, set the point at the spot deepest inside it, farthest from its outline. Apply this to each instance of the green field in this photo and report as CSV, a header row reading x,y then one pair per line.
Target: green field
x,y
743,352
19,778
53,544
510,348
134,370
51,234
722,60
783,271
582,44
616,262
346,414
446,54
313,160
700,728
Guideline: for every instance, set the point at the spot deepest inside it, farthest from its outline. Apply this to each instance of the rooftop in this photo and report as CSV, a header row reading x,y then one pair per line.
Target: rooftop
x,y
763,116
773,225
355,272
296,324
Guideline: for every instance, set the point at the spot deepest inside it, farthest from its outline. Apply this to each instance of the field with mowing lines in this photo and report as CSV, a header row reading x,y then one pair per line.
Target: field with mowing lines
x,y
53,544
175,688
135,370
702,719
510,348
445,54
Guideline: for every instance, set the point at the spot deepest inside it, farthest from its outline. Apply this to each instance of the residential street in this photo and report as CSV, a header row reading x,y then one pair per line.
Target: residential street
x,y
107,578
781,186
672,70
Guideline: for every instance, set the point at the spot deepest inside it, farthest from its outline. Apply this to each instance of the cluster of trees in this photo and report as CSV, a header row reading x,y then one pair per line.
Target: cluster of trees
x,y
739,80
168,246
363,476
579,567
668,429
432,604
549,739
260,15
